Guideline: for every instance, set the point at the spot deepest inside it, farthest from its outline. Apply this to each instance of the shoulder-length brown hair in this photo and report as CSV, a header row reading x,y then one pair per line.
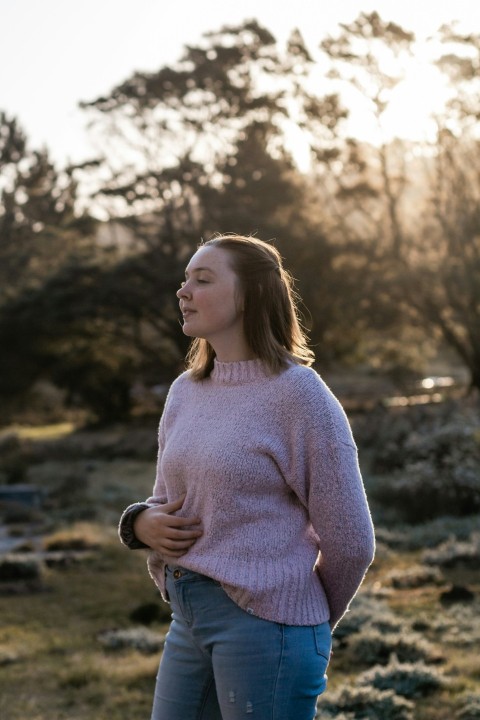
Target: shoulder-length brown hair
x,y
270,320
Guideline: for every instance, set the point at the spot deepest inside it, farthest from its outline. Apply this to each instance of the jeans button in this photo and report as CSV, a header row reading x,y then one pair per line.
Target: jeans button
x,y
177,574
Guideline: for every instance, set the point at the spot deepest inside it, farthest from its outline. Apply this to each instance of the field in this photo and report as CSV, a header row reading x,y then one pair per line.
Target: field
x,y
81,624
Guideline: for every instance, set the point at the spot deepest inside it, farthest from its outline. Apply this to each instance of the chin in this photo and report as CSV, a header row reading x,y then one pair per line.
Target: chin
x,y
188,331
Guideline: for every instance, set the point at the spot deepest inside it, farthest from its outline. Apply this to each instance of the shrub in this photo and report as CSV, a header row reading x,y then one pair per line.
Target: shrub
x,y
367,612
428,535
411,680
14,465
374,647
421,491
79,537
414,577
434,467
471,709
367,703
141,639
8,657
452,553
149,613
19,568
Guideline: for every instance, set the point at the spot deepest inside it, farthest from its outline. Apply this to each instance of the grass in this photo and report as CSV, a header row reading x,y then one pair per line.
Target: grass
x,y
60,666
53,666
42,432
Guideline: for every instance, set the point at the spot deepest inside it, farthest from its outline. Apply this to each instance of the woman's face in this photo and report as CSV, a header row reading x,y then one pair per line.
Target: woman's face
x,y
211,302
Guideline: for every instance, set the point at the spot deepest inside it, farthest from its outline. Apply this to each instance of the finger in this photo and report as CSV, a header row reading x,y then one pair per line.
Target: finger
x,y
177,544
174,505
175,521
183,534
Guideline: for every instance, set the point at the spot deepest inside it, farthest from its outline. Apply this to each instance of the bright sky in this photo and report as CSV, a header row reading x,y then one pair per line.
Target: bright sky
x,y
55,53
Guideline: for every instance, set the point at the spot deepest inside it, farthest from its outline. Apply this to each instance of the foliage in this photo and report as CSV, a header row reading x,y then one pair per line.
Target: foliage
x,y
76,537
203,145
367,704
471,709
39,229
374,647
183,123
367,614
443,285
138,638
51,641
233,95
19,568
411,680
414,577
424,263
452,553
433,461
427,535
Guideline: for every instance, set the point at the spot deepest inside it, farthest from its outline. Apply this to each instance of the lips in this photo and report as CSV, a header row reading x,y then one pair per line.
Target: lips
x,y
187,312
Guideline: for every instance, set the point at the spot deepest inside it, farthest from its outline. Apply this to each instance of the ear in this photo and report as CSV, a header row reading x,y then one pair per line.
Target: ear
x,y
240,300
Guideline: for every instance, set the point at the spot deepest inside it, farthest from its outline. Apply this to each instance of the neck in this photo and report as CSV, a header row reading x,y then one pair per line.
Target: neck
x,y
233,351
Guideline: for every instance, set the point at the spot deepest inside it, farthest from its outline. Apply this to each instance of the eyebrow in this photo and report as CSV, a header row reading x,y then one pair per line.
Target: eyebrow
x,y
200,269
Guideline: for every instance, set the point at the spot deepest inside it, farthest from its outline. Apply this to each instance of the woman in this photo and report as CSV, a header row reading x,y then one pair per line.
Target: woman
x,y
258,526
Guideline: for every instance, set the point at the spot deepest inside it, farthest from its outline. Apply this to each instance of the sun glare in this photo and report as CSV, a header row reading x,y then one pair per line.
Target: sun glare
x,y
416,101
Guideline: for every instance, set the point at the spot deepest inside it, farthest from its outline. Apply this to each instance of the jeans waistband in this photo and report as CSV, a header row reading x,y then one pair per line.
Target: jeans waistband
x,y
177,572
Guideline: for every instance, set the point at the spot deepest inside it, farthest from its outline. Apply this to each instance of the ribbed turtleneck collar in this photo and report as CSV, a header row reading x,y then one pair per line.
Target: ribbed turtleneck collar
x,y
236,373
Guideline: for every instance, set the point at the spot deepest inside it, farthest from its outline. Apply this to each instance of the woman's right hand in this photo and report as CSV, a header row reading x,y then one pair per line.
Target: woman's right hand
x,y
165,533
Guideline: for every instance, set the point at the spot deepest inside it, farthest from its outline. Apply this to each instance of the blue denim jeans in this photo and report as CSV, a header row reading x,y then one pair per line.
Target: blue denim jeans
x,y
220,663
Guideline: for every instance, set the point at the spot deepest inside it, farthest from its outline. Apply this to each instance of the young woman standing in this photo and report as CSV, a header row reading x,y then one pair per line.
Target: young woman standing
x,y
258,527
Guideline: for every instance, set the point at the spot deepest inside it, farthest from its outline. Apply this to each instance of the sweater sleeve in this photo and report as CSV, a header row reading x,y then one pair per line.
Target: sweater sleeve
x,y
159,496
325,475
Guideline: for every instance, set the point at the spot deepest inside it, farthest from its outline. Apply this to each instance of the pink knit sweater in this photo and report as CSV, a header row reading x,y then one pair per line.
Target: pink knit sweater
x,y
269,464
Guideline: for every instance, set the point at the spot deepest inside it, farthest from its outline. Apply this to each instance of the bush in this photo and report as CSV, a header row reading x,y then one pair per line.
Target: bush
x,y
77,538
414,577
374,647
422,491
433,466
13,464
149,613
141,639
367,613
367,703
428,535
411,680
18,568
452,553
471,709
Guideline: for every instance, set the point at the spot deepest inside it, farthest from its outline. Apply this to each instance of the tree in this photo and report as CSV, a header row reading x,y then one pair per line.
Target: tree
x,y
421,259
372,181
441,277
444,282
460,63
367,189
39,229
211,140
166,133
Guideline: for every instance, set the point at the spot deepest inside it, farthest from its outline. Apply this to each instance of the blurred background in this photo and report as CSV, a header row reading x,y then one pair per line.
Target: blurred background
x,y
349,137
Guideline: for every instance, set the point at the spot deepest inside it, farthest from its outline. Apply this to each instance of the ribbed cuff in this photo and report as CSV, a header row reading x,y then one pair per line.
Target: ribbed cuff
x,y
125,526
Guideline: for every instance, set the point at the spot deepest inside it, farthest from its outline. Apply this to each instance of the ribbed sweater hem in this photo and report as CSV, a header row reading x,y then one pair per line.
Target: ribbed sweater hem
x,y
285,593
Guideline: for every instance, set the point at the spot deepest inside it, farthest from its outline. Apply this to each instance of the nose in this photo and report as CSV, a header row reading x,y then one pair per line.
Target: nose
x,y
183,291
